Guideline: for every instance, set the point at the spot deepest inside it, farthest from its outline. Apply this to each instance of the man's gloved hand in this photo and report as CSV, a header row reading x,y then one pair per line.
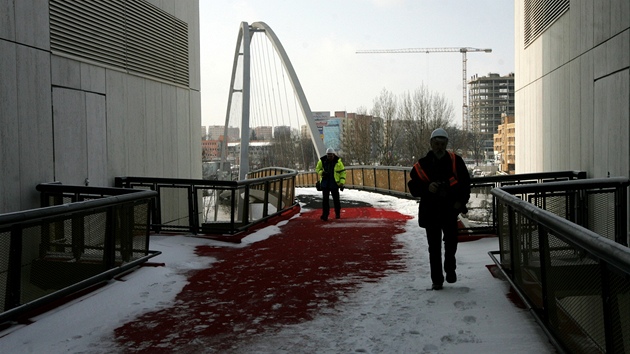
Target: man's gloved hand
x,y
341,186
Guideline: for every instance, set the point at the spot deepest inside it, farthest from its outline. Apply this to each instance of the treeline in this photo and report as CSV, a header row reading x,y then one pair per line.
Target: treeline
x,y
395,132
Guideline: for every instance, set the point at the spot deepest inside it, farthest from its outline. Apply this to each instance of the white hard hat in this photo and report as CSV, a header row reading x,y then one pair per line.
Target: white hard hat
x,y
330,151
439,133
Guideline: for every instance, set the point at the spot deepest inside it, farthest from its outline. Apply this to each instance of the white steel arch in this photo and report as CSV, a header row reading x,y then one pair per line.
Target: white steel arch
x,y
244,37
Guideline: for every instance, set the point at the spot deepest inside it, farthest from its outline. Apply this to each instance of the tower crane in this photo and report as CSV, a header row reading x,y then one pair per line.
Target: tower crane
x,y
462,50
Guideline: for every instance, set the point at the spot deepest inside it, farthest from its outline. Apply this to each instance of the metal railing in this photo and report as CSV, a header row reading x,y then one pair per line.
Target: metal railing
x,y
81,236
563,246
217,207
481,218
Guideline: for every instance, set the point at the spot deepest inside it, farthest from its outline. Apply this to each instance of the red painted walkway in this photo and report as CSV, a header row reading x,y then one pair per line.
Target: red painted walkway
x,y
284,279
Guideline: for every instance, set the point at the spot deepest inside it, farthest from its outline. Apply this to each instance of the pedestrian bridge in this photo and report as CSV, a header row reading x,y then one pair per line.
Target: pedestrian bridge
x,y
562,238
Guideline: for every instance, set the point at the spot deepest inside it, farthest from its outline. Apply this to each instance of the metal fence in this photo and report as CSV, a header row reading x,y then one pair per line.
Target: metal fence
x,y
563,246
80,237
481,217
217,207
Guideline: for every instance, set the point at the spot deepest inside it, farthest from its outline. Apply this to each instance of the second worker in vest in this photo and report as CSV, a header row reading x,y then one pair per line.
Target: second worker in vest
x,y
332,175
442,182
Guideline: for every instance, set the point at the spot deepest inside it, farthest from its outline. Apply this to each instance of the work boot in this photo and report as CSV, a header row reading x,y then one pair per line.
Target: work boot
x,y
436,286
451,277
323,217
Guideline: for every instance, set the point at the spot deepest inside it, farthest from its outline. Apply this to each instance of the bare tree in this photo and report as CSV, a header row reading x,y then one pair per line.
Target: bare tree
x,y
422,112
385,107
307,152
358,138
283,149
475,142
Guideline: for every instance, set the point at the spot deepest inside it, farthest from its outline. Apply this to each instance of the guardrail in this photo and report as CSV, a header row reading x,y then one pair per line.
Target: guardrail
x,y
575,280
80,237
481,217
217,207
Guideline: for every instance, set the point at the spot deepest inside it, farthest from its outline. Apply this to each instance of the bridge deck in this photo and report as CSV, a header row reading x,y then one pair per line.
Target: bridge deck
x,y
357,284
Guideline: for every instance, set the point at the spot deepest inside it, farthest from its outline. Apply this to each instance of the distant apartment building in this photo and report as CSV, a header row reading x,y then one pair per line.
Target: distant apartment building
x,y
490,97
211,149
215,132
504,145
321,120
262,133
333,134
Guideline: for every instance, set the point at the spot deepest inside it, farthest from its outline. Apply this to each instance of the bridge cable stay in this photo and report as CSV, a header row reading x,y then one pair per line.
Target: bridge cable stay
x,y
267,92
260,96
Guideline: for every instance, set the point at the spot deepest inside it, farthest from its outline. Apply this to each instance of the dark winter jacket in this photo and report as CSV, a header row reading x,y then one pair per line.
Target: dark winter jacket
x,y
454,187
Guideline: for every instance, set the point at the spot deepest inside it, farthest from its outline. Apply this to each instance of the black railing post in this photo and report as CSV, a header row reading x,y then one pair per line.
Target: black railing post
x,y
14,276
246,205
513,244
548,295
266,199
78,232
608,305
158,209
109,246
192,210
280,195
125,233
147,222
621,224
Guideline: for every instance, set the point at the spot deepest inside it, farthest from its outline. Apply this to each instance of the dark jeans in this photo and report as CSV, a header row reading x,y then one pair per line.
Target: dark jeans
x,y
448,226
326,192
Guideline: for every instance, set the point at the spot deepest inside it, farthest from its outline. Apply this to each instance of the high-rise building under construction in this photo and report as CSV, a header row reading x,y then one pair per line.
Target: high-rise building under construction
x,y
490,97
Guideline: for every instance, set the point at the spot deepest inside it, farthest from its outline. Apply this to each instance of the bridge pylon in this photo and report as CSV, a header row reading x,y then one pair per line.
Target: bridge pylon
x,y
246,32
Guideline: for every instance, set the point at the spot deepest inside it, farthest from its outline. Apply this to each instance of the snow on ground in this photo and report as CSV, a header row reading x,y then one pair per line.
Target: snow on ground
x,y
394,315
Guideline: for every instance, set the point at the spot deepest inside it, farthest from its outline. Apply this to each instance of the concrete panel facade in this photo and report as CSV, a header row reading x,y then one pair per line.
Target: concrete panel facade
x,y
572,91
106,122
70,131
34,112
9,129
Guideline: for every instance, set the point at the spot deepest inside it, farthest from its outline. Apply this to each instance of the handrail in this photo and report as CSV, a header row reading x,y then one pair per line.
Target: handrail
x,y
33,215
601,247
576,280
56,250
392,180
270,184
611,182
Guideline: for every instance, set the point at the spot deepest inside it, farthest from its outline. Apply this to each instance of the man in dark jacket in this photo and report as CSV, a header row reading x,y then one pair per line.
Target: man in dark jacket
x,y
442,182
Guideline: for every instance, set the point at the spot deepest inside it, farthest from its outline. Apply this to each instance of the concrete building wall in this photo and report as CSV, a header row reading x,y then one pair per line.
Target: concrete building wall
x,y
573,91
74,121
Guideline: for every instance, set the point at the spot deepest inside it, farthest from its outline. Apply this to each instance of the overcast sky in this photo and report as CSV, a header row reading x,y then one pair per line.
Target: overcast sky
x,y
321,39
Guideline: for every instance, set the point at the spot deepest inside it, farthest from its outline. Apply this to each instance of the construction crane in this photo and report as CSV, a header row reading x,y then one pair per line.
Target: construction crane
x,y
462,50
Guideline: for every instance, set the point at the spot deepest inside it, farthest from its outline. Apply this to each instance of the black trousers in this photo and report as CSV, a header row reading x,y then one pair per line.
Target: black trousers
x,y
326,192
444,229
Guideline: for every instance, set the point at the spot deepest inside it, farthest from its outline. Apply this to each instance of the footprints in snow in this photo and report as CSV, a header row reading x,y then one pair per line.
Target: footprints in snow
x,y
462,336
